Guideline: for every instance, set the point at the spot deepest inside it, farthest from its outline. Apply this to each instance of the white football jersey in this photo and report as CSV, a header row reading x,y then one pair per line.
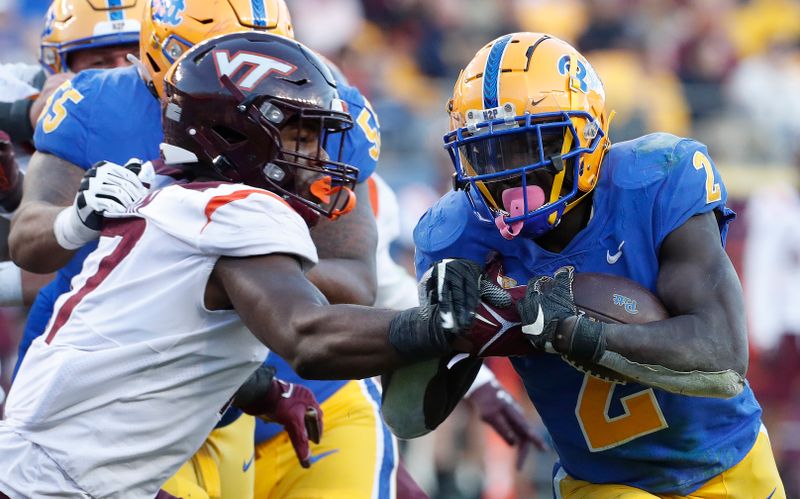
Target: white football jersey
x,y
133,371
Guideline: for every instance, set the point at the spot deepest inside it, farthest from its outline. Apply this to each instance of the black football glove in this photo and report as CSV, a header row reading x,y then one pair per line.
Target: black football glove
x,y
449,294
552,323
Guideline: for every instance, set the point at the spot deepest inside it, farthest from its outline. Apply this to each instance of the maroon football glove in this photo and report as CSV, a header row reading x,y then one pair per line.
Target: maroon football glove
x,y
10,178
289,404
295,407
498,409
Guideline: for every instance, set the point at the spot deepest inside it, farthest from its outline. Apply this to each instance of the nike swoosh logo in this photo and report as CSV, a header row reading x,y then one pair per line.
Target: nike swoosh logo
x,y
318,457
537,327
247,464
288,393
772,493
536,102
447,320
612,259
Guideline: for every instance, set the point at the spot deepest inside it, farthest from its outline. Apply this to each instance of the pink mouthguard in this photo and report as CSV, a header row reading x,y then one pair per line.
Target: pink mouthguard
x,y
514,203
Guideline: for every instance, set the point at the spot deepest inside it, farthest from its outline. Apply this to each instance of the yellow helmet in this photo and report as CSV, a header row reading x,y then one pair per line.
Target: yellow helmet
x,y
171,27
527,102
72,25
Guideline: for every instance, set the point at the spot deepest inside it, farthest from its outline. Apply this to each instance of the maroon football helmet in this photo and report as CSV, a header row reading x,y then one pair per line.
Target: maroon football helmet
x,y
232,100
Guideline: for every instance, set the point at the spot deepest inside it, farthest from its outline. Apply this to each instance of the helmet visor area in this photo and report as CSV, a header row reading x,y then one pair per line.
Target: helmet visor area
x,y
509,150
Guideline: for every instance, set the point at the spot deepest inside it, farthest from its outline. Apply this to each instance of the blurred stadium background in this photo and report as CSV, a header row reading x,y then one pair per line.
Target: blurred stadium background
x,y
725,72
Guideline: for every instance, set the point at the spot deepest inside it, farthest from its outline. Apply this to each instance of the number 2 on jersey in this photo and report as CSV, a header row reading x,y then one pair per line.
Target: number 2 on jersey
x,y
642,415
56,110
713,191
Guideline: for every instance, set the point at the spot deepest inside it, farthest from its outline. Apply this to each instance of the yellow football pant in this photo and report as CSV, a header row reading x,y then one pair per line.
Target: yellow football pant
x,y
756,476
222,468
357,457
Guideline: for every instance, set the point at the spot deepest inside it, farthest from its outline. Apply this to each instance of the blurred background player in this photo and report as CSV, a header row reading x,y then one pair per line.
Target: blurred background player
x,y
539,181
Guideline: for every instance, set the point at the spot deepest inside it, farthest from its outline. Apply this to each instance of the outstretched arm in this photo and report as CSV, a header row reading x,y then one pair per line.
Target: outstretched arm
x,y
286,312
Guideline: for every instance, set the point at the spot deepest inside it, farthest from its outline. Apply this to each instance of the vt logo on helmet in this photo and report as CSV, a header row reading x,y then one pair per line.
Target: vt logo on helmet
x,y
528,132
261,109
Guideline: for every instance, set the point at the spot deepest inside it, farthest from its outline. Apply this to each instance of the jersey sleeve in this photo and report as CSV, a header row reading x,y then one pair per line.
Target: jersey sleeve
x,y
362,145
232,220
63,126
692,186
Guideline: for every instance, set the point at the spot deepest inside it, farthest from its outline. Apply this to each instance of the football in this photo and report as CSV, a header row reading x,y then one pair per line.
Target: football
x,y
497,331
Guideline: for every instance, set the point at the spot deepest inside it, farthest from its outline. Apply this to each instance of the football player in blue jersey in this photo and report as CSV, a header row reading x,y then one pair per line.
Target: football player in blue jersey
x,y
538,181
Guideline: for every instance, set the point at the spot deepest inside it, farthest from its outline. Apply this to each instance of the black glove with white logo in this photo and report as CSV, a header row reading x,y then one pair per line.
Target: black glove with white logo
x,y
552,323
106,188
449,293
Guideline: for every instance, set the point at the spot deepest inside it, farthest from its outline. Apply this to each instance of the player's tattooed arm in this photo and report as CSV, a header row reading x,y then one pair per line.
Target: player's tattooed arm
x,y
346,248
705,341
50,185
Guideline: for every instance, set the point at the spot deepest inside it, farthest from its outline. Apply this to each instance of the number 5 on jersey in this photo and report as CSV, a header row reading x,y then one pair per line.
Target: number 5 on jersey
x,y
56,109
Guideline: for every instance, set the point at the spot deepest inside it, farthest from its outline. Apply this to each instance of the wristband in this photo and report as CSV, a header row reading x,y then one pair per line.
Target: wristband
x,y
70,231
10,285
413,334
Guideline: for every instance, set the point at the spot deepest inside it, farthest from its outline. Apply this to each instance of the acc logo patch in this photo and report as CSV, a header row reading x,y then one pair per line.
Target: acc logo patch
x,y
585,74
256,67
168,11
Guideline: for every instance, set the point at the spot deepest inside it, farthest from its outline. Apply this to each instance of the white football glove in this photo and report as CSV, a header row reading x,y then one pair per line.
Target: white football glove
x,y
106,188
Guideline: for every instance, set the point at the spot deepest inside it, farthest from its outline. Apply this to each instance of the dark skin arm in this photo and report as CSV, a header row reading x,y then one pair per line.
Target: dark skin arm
x,y
289,315
699,287
50,186
346,249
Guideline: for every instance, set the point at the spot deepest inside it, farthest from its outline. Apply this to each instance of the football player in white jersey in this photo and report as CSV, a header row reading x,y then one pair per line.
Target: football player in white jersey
x,y
172,312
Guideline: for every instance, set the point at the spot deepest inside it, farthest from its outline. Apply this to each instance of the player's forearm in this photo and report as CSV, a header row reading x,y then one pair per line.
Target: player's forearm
x,y
32,242
684,343
325,351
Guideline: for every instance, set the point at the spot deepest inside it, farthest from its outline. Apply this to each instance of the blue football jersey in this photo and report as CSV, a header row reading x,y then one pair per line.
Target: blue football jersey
x,y
606,432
